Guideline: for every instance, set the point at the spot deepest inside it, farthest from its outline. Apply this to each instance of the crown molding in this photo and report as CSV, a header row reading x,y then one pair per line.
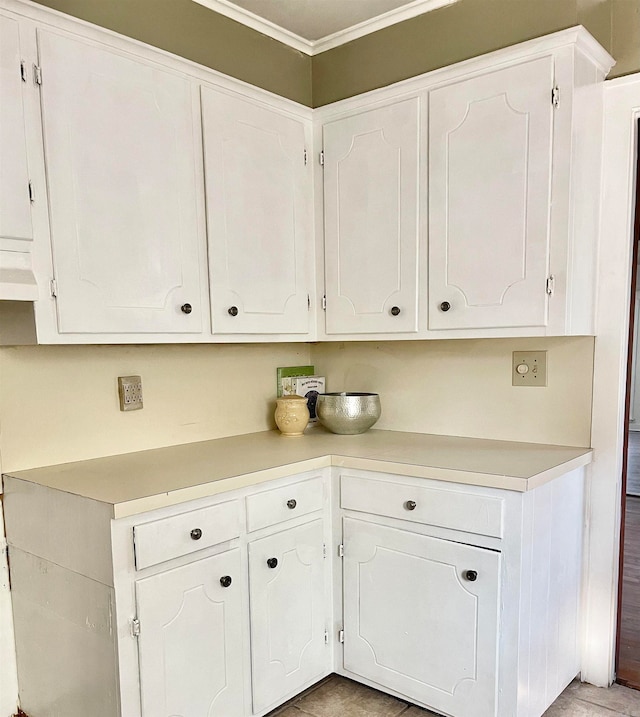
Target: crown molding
x,y
314,47
406,12
255,22
576,36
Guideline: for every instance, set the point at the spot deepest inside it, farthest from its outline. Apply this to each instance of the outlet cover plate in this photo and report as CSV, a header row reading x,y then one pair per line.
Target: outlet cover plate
x,y
130,393
529,368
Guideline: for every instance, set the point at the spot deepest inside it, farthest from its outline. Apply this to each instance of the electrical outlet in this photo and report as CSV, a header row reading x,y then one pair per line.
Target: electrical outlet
x,y
130,393
529,368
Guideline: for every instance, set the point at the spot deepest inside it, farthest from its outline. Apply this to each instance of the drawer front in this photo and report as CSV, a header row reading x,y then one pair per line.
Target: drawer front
x,y
444,508
275,506
178,535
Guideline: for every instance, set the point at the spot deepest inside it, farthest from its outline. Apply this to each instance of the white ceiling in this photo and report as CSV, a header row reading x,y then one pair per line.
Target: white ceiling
x,y
314,19
313,26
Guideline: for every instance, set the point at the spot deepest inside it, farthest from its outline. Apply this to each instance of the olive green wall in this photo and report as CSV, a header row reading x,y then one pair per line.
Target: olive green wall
x,y
467,29
457,32
625,45
195,32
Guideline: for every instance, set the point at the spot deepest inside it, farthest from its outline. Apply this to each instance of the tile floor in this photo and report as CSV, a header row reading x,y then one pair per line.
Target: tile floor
x,y
338,697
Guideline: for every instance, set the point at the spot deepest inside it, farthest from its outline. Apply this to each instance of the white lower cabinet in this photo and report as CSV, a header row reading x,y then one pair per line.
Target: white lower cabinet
x,y
191,662
288,615
459,598
462,599
421,616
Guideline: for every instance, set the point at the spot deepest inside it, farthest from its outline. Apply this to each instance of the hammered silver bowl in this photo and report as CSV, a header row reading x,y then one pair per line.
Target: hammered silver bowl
x,y
348,413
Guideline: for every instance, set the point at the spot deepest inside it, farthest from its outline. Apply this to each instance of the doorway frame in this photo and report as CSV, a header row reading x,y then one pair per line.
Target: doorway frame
x,y
632,378
604,488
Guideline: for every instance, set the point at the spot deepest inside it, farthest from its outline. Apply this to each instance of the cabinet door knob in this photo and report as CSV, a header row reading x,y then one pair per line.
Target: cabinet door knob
x,y
225,581
291,504
186,308
445,306
395,310
272,562
232,311
471,576
410,505
196,534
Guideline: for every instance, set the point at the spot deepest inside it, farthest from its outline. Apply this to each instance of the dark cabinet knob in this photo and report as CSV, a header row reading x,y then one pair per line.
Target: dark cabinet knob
x,y
291,504
232,311
186,308
225,581
471,576
445,306
196,534
395,310
410,505
272,562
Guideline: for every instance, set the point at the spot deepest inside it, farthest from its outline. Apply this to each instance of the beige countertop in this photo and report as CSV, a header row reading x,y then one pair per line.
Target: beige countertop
x,y
136,482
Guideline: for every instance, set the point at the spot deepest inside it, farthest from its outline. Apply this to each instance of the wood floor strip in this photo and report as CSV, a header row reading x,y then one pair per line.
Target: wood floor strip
x,y
628,672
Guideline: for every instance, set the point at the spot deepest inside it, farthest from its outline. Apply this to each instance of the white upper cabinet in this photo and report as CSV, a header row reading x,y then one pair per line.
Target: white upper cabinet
x,y
258,192
507,171
173,204
371,221
490,152
17,280
120,153
15,206
514,171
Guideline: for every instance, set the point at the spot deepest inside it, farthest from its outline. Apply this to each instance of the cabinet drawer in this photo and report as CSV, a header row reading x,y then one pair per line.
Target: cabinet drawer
x,y
178,535
274,506
456,510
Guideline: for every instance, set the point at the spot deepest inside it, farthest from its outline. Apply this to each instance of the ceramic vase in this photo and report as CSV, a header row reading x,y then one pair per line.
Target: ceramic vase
x,y
292,415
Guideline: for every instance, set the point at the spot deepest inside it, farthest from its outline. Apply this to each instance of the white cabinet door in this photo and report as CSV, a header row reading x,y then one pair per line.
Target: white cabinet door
x,y
15,205
258,219
121,167
190,640
416,623
371,221
288,621
490,146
